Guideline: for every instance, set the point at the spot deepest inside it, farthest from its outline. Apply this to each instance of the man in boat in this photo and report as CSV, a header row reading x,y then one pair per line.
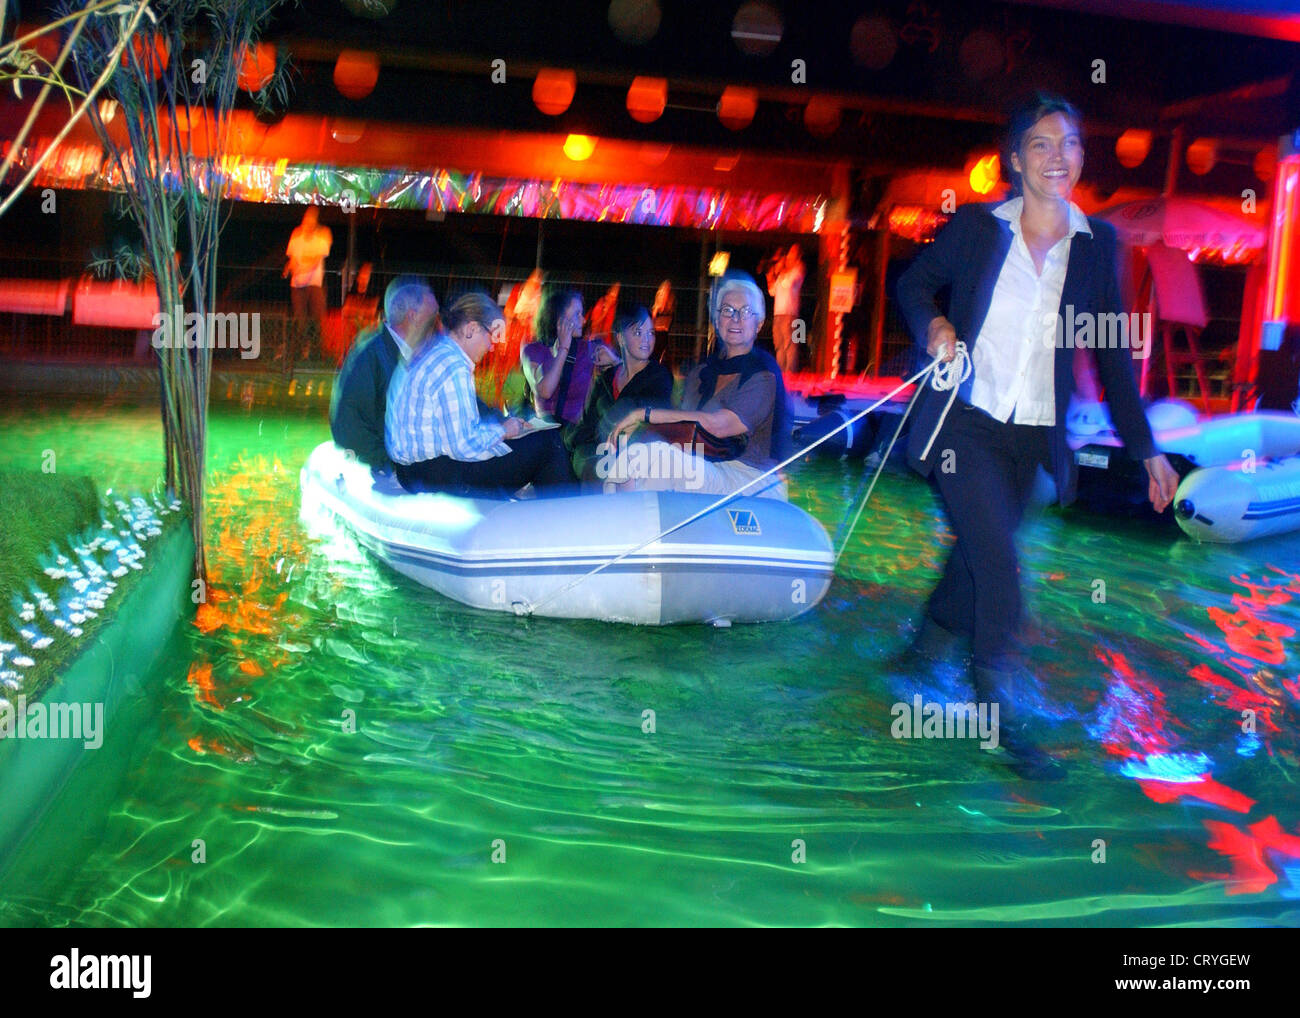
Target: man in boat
x,y
435,429
361,392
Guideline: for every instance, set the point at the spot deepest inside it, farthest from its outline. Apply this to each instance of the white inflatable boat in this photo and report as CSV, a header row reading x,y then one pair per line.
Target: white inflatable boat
x,y
1240,503
753,560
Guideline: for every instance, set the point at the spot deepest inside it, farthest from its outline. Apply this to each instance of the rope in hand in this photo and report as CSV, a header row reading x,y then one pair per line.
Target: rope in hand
x,y
942,375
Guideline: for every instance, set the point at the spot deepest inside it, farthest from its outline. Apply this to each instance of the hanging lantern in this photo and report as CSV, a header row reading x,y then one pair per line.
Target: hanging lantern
x,y
821,116
553,90
152,52
1266,163
757,28
634,21
256,66
646,99
873,41
355,73
985,174
1132,147
579,147
737,106
1201,156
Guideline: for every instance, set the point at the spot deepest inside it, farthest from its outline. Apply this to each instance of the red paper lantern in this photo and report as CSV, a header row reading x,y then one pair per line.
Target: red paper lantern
x,y
1202,155
821,116
355,73
553,90
646,99
1132,147
256,66
152,52
737,107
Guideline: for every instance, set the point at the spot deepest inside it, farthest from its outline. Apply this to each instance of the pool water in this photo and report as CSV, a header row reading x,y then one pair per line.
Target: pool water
x,y
500,770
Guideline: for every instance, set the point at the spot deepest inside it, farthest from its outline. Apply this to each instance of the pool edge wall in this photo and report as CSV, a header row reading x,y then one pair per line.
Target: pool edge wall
x,y
120,670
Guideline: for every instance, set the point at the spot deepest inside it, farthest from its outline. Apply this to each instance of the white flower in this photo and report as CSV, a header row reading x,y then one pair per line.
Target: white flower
x,y
5,648
80,586
61,623
29,634
62,560
135,565
77,617
55,574
75,631
24,661
42,643
120,571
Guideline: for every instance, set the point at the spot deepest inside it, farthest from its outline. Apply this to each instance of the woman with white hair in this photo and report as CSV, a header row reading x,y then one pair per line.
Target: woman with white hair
x,y
733,404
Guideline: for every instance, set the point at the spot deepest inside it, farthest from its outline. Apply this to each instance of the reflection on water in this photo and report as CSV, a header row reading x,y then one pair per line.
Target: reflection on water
x,y
350,748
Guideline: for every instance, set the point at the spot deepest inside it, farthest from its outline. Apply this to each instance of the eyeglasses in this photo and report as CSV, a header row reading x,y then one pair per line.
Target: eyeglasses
x,y
744,314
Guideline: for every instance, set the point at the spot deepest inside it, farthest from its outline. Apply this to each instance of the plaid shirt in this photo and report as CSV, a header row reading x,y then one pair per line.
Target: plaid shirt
x,y
433,409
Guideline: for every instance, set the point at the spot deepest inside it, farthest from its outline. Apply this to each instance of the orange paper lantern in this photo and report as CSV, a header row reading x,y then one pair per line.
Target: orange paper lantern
x,y
152,51
355,73
737,107
1201,156
553,90
646,99
256,66
821,116
1132,147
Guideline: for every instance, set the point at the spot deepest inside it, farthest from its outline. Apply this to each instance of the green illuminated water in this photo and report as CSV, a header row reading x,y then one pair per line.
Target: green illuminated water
x,y
474,726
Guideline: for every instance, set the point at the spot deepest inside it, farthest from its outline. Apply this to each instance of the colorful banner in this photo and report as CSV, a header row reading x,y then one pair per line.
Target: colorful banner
x,y
351,188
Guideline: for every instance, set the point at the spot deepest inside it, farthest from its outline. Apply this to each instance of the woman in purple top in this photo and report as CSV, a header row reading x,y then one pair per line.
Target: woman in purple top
x,y
560,365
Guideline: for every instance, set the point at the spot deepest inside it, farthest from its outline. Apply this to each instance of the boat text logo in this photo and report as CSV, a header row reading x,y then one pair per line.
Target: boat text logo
x,y
743,521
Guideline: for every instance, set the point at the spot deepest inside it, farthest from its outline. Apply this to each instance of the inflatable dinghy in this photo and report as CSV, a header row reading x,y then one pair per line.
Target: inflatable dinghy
x,y
752,560
1241,502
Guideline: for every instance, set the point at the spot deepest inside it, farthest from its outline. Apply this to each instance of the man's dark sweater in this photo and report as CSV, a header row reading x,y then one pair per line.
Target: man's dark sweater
x,y
360,397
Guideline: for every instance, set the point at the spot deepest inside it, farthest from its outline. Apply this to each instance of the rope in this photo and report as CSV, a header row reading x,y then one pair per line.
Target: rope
x,y
941,377
944,376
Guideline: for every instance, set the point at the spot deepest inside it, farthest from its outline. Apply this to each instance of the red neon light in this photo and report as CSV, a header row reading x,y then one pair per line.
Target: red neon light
x,y
1285,201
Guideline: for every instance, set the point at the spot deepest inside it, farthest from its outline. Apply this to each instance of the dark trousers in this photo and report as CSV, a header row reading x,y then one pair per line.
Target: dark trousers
x,y
539,458
985,489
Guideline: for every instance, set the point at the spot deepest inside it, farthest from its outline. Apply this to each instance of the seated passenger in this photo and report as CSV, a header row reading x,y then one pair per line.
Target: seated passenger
x,y
638,382
559,364
360,396
433,429
735,403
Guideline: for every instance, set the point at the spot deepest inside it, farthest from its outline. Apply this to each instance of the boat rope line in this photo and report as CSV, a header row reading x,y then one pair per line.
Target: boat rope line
x,y
942,376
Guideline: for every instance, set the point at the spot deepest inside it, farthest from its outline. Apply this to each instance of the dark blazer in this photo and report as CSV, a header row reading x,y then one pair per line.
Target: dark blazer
x,y
360,397
652,386
967,255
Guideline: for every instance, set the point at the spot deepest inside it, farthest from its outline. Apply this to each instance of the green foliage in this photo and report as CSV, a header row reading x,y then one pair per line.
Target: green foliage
x,y
39,509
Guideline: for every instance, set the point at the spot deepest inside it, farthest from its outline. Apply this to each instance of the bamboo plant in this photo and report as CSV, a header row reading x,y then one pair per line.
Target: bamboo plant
x,y
174,75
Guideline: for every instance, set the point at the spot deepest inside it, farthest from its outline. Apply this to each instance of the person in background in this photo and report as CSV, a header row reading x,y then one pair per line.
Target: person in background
x,y
433,428
784,281
1011,268
559,364
360,397
309,246
636,383
601,322
735,400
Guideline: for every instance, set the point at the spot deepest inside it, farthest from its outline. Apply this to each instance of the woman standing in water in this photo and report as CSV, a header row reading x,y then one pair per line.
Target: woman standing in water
x,y
1014,269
